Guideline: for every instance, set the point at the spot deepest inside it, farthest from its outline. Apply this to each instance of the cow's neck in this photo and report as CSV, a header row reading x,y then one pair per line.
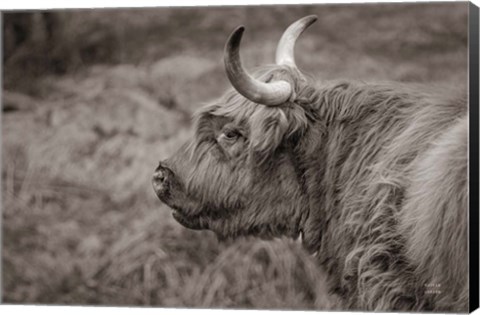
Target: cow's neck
x,y
318,155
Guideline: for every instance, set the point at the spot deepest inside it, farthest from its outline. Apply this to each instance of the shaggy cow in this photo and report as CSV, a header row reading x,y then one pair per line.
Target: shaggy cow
x,y
373,177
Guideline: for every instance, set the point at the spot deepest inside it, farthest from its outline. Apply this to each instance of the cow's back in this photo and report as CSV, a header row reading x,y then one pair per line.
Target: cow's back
x,y
434,218
378,194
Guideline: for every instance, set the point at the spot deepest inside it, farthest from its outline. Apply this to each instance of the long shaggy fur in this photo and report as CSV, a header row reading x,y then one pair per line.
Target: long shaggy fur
x,y
391,196
372,175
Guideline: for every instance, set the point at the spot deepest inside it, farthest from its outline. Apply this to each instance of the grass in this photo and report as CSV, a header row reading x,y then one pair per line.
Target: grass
x,y
81,224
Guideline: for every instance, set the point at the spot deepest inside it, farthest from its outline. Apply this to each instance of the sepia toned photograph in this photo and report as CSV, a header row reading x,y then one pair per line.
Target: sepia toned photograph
x,y
282,157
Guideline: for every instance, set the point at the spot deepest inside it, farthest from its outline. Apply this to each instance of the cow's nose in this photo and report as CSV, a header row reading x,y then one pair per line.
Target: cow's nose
x,y
160,178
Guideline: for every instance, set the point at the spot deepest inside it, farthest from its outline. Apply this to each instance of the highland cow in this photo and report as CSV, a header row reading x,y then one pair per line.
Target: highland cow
x,y
373,177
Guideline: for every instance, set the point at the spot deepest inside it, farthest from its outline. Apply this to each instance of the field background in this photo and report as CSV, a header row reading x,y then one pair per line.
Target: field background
x,y
90,107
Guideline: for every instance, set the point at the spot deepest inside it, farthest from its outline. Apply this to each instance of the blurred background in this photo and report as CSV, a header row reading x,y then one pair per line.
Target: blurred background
x,y
92,99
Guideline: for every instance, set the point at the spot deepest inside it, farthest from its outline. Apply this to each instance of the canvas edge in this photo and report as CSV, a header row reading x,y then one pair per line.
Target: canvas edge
x,y
473,158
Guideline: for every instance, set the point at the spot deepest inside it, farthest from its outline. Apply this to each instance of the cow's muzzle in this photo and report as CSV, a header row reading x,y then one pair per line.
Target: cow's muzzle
x,y
171,192
162,180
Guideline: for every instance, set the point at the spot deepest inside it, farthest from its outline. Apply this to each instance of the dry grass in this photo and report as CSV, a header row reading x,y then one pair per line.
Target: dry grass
x,y
81,224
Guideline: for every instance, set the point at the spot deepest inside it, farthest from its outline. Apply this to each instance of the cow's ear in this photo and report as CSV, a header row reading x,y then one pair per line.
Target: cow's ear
x,y
268,127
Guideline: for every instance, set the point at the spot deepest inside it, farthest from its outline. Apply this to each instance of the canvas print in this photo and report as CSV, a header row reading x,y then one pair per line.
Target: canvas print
x,y
310,157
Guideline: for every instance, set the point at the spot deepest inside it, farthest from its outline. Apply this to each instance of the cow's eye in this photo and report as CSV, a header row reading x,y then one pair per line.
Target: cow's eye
x,y
231,134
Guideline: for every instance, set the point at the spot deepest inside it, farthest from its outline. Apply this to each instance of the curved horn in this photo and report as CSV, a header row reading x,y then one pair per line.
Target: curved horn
x,y
286,45
271,94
